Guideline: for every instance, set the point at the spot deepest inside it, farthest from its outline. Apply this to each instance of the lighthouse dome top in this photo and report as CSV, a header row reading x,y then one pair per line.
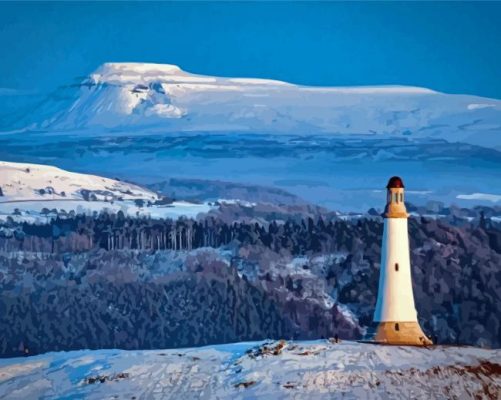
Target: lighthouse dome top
x,y
395,182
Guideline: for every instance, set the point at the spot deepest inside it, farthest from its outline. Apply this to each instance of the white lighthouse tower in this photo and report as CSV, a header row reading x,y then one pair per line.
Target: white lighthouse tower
x,y
395,316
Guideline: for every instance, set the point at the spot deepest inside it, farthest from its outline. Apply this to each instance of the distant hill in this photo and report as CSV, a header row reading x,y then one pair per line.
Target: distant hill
x,y
21,181
161,98
201,189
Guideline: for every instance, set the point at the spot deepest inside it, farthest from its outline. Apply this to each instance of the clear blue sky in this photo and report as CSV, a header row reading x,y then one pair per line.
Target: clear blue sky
x,y
451,47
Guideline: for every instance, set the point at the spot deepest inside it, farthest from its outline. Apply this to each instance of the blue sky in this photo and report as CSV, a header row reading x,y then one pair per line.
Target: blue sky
x,y
451,47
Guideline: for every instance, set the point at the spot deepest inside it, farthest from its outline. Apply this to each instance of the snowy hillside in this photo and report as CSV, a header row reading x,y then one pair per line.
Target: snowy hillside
x,y
278,370
44,182
30,191
156,97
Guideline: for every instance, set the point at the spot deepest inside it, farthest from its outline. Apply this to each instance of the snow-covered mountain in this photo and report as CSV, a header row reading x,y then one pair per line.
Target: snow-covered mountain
x,y
156,97
276,370
25,182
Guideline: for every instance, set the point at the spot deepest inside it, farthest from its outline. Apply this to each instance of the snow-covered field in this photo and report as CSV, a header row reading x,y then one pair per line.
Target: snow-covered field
x,y
42,211
274,370
31,192
20,181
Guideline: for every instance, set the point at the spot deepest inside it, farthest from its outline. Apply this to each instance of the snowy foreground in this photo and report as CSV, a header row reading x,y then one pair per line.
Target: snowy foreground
x,y
271,370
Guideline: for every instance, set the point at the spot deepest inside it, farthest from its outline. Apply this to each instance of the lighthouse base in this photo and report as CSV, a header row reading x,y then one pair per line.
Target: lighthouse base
x,y
400,333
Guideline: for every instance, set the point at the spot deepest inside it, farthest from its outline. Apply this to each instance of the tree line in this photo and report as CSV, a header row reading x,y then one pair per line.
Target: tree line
x,y
117,231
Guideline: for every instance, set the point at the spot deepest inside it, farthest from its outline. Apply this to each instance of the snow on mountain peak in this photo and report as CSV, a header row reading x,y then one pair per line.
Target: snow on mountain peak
x,y
118,67
135,72
385,89
128,97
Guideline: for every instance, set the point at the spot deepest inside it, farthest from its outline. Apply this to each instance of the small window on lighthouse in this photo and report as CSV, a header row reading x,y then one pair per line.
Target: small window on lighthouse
x,y
396,266
396,197
401,197
397,327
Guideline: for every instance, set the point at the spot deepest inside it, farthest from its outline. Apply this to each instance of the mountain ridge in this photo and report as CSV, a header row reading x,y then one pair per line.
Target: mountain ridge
x,y
120,98
122,71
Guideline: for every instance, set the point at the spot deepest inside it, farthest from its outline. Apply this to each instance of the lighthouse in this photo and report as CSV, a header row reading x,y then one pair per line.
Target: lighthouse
x,y
395,317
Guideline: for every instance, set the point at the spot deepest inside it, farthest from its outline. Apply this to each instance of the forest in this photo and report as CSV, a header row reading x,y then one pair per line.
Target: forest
x,y
108,280
79,233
